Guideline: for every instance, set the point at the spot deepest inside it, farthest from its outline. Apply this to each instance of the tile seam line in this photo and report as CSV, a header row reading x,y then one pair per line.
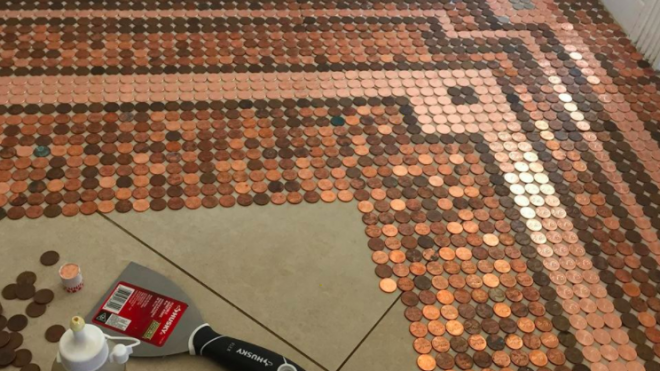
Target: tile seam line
x,y
200,282
366,336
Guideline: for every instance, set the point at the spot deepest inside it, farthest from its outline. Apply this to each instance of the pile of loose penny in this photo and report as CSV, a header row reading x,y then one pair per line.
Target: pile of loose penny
x,y
11,340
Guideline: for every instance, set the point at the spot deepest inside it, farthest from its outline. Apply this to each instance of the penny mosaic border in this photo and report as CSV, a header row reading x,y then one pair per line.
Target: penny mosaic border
x,y
503,153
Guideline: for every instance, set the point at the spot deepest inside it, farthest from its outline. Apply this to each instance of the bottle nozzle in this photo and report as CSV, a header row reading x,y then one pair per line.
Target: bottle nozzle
x,y
77,324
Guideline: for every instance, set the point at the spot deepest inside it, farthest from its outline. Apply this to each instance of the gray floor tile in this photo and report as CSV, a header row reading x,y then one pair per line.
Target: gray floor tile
x,y
103,250
305,271
388,347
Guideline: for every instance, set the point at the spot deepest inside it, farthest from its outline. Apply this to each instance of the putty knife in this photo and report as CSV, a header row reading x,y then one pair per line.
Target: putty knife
x,y
148,306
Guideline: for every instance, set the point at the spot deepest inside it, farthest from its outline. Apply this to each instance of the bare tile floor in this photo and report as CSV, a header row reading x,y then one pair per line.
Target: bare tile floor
x,y
316,301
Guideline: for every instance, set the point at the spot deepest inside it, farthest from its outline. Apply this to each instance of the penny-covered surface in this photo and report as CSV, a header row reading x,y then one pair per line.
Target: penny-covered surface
x,y
503,154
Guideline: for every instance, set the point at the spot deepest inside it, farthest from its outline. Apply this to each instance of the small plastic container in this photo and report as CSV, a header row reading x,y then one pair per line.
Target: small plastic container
x,y
72,278
86,348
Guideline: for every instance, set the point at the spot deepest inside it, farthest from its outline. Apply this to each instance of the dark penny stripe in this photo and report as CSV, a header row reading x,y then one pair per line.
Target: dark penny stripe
x,y
204,5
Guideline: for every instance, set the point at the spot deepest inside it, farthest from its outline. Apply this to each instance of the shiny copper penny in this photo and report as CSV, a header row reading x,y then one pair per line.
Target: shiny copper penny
x,y
426,362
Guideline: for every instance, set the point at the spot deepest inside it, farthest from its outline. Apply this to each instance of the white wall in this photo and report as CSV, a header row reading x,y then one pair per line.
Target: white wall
x,y
626,12
640,20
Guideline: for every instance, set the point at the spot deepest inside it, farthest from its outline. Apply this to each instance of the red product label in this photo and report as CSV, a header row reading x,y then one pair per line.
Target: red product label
x,y
140,313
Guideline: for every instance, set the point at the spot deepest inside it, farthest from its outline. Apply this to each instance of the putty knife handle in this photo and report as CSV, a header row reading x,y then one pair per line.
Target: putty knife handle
x,y
237,354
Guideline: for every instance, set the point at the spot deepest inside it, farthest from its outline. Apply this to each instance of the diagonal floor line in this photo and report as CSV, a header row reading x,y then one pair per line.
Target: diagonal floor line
x,y
370,331
217,293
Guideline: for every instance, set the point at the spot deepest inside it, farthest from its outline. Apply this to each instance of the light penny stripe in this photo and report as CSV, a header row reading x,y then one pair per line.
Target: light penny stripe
x,y
199,87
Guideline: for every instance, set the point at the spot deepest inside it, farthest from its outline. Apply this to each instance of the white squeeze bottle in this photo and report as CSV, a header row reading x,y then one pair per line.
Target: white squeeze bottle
x,y
86,348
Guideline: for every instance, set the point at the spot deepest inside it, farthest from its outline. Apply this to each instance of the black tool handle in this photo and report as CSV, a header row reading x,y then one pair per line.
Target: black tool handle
x,y
238,354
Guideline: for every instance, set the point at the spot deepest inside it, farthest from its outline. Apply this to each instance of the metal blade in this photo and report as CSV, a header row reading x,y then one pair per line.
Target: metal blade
x,y
152,281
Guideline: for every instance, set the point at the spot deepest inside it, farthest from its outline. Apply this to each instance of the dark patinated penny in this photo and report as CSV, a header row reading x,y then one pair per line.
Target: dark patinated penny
x,y
44,296
7,356
467,311
422,282
574,355
17,323
23,358
458,344
463,361
495,342
27,278
25,291
31,367
54,333
567,339
490,326
35,310
472,326
508,325
413,314
553,308
484,310
4,338
15,341
3,322
409,299
383,271
9,291
444,361
482,359
50,258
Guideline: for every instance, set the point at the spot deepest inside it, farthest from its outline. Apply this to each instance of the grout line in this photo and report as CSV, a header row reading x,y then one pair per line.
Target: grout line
x,y
214,292
370,331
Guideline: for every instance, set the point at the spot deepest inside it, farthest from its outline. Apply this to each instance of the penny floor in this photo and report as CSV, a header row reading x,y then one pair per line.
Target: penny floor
x,y
448,184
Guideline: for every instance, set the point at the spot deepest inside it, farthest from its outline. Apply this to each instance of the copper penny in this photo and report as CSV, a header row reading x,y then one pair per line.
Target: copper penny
x,y
422,346
388,285
426,362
